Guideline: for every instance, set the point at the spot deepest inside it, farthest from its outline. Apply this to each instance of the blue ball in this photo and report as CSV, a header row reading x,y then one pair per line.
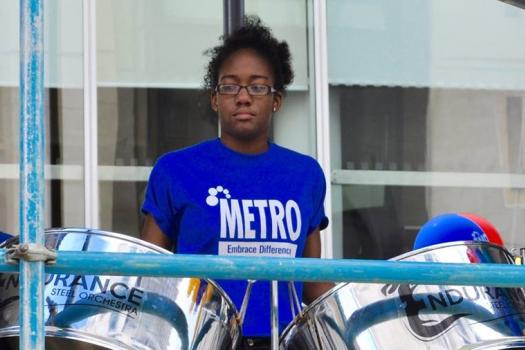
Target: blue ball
x,y
448,228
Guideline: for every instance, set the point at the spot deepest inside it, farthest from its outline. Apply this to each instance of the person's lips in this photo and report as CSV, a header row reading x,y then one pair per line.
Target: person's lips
x,y
243,115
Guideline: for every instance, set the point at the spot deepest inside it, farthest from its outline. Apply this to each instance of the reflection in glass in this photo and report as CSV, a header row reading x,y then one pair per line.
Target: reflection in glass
x,y
63,114
424,121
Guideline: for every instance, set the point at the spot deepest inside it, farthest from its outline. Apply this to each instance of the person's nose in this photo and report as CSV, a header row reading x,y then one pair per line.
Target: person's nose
x,y
243,97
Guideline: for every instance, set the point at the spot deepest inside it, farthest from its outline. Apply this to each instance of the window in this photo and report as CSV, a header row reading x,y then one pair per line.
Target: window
x,y
426,115
63,112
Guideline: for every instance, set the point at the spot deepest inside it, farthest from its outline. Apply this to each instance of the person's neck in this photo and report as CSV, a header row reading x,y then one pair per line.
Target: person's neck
x,y
246,147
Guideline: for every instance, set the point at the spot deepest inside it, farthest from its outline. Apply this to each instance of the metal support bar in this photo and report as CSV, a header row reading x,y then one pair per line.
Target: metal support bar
x,y
91,169
245,301
322,111
233,15
275,315
517,3
32,186
284,269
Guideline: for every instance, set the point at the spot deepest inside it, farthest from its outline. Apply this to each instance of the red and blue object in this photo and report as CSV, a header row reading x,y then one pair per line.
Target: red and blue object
x,y
490,231
454,227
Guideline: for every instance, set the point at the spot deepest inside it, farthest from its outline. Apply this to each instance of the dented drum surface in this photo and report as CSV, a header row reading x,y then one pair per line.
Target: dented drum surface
x,y
386,316
121,312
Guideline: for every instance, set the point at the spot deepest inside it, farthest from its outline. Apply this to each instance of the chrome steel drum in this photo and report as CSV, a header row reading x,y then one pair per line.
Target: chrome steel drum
x,y
386,316
121,312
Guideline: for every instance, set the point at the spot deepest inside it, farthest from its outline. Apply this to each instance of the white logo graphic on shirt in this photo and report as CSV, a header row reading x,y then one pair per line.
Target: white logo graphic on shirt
x,y
212,200
238,221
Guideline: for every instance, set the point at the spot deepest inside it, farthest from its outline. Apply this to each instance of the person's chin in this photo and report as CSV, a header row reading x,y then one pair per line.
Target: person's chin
x,y
246,134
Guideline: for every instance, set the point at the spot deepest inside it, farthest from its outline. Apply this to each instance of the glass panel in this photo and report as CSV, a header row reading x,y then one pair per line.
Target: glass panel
x,y
294,125
9,111
401,155
62,46
136,126
438,43
150,99
63,113
66,154
9,37
155,43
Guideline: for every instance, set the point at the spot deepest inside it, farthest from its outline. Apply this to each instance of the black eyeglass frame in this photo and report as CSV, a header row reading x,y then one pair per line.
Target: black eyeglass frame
x,y
271,89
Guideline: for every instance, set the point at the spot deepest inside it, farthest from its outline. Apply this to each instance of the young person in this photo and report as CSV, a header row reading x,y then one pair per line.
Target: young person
x,y
242,194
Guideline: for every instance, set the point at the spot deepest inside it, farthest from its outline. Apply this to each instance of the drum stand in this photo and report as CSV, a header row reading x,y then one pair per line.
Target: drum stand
x,y
275,316
275,309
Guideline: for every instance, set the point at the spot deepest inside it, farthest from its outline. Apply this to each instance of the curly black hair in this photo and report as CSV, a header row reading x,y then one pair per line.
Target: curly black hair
x,y
252,35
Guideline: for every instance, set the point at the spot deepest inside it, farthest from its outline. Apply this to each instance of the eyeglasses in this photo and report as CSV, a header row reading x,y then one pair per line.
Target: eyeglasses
x,y
253,89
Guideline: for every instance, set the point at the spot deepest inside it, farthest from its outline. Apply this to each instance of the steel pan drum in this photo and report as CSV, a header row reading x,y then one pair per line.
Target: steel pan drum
x,y
121,312
386,316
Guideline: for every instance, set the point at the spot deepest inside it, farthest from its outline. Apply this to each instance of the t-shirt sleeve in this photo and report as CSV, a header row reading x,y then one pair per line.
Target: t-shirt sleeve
x,y
319,218
158,201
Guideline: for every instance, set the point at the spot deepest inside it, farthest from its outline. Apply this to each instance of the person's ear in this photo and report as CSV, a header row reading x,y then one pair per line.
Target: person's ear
x,y
277,101
213,101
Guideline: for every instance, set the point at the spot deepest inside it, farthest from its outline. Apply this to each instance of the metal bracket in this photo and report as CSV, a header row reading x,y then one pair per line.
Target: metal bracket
x,y
519,255
30,252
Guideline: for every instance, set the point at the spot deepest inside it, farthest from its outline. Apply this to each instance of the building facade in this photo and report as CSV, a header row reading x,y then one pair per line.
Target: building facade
x,y
413,107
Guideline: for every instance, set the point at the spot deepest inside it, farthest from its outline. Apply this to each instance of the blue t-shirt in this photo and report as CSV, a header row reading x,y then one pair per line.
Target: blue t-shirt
x,y
210,199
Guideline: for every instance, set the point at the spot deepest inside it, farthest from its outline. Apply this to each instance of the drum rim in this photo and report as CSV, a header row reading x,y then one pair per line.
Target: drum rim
x,y
403,256
109,234
71,334
80,230
128,243
131,239
144,244
449,244
496,344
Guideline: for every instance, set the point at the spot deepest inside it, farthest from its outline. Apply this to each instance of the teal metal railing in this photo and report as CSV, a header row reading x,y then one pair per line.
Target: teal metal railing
x,y
215,267
284,269
32,186
32,230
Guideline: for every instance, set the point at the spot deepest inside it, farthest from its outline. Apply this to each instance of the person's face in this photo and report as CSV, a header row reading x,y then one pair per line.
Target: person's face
x,y
243,117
